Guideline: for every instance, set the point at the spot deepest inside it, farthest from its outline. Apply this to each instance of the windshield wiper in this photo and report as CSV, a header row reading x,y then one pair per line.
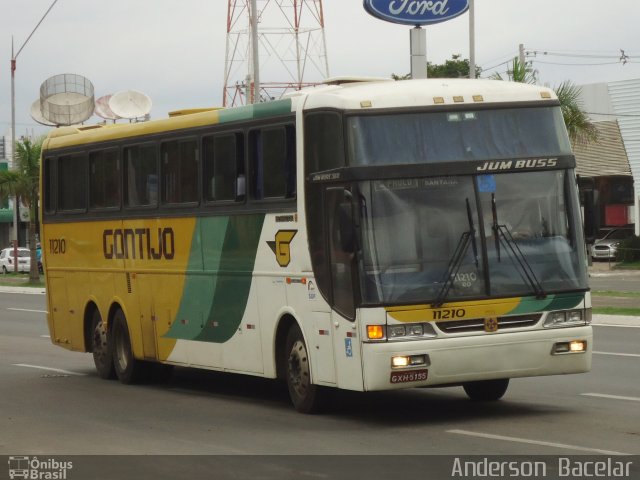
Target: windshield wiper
x,y
466,238
502,232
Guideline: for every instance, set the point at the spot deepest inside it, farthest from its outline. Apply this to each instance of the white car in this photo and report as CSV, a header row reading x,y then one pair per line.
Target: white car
x,y
7,259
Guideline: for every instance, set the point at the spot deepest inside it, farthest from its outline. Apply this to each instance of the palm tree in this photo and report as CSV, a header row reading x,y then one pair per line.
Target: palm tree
x,y
22,182
579,127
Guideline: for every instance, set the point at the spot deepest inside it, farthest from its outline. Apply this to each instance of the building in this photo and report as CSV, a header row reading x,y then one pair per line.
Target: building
x,y
610,169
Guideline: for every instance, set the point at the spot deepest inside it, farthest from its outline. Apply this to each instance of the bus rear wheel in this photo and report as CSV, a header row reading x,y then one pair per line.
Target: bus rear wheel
x,y
486,390
127,368
305,396
101,348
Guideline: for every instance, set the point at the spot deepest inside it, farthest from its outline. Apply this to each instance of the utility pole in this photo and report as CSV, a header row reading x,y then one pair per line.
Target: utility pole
x,y
472,39
14,57
521,54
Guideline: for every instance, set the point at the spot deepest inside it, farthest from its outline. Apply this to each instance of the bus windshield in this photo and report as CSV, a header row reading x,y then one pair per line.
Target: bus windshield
x,y
410,138
512,234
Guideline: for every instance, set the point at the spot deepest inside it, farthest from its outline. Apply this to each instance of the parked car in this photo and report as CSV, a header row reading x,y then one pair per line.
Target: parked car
x,y
607,246
24,260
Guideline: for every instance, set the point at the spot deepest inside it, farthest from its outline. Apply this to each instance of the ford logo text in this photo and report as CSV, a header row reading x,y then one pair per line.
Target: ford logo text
x,y
416,12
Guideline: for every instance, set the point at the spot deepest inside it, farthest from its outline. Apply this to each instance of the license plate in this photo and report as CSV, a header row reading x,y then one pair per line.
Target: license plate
x,y
412,376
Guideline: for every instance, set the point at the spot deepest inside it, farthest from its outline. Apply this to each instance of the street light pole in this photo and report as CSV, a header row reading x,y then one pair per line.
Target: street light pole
x,y
14,58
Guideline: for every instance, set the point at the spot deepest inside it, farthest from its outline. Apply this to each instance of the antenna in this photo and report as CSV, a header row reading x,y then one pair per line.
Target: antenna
x,y
293,52
102,109
66,99
130,104
36,114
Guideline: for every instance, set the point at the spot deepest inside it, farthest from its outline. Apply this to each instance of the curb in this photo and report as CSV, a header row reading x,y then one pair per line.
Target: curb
x,y
24,290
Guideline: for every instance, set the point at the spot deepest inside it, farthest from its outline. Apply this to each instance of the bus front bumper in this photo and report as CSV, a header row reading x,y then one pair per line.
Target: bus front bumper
x,y
457,360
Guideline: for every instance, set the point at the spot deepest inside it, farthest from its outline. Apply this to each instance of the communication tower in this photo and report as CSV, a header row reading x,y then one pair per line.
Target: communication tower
x,y
273,47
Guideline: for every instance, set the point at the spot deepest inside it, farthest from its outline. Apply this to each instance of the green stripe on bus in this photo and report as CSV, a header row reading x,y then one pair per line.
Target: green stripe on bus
x,y
561,301
213,304
259,110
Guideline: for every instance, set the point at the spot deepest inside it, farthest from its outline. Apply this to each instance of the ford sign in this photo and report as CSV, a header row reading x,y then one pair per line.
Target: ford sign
x,y
416,12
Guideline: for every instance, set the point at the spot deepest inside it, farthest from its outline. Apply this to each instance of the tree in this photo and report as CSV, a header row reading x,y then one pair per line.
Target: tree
x,y
579,127
454,68
519,72
23,182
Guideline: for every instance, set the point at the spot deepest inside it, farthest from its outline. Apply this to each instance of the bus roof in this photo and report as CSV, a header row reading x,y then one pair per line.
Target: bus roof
x,y
347,94
431,92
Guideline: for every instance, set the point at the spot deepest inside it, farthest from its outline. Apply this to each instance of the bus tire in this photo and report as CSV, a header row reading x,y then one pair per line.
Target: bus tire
x,y
486,390
128,369
305,396
101,348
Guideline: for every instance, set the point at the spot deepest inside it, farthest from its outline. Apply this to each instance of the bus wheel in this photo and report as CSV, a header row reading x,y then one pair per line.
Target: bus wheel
x,y
304,395
486,390
128,369
102,356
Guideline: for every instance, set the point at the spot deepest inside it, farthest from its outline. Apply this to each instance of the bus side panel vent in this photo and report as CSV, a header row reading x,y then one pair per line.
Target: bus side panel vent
x,y
128,282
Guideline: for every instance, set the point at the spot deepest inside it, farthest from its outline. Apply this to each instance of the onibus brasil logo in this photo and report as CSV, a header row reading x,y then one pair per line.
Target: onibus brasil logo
x,y
38,469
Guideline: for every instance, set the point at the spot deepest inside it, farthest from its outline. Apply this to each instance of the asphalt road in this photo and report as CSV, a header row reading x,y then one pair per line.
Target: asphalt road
x,y
53,403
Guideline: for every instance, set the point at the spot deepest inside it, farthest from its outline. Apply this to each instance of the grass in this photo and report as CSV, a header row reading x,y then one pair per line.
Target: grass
x,y
610,293
627,266
19,280
634,312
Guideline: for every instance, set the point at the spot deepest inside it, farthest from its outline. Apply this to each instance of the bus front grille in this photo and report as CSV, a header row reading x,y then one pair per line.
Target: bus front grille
x,y
478,324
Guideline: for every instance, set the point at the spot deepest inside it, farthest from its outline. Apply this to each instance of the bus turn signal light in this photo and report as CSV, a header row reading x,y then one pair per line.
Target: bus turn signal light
x,y
375,332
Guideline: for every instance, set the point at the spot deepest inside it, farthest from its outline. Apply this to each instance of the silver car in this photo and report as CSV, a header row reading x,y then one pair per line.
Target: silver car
x,y
606,247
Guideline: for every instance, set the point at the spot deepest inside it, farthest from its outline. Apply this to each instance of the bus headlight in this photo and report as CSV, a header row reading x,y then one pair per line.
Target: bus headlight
x,y
568,318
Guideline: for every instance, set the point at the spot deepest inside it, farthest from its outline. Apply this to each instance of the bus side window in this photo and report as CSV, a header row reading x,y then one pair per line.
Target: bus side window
x,y
48,184
323,142
273,166
104,179
179,171
223,167
72,183
141,175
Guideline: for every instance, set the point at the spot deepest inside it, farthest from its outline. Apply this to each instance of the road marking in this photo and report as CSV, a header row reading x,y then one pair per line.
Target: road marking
x,y
26,310
614,325
59,370
613,397
618,354
45,336
534,442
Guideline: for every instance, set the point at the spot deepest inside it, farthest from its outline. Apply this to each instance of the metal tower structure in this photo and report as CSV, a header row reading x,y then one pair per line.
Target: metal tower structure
x,y
273,47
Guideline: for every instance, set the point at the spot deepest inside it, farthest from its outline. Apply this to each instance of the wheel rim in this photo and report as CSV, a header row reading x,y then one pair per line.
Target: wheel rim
x,y
122,353
299,378
100,348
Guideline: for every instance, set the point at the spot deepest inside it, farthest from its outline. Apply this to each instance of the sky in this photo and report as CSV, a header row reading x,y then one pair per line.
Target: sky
x,y
174,50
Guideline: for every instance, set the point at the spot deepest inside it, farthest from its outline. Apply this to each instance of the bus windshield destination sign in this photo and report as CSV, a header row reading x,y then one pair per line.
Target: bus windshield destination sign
x,y
416,12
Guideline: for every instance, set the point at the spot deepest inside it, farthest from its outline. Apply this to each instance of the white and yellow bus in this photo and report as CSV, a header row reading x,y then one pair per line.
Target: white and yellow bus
x,y
362,235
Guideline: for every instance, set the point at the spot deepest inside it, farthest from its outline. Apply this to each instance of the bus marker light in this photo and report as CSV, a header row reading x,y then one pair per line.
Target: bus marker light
x,y
375,332
366,104
458,99
478,98
438,100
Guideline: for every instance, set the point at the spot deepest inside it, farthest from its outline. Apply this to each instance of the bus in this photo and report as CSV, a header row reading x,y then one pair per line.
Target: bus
x,y
361,235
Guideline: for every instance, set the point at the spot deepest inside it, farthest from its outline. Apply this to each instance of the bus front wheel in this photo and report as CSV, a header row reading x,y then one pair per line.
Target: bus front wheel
x,y
305,396
486,390
127,368
101,348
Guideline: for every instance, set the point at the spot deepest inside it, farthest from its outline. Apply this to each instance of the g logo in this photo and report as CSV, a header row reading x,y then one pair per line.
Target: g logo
x,y
491,324
282,246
